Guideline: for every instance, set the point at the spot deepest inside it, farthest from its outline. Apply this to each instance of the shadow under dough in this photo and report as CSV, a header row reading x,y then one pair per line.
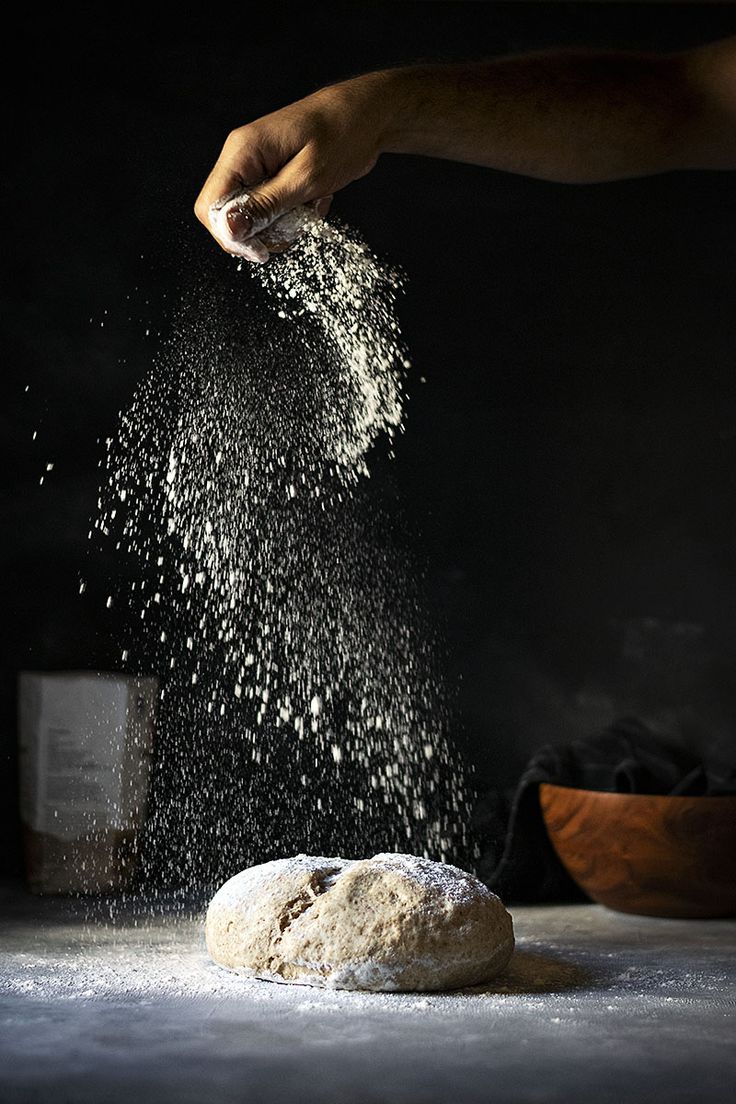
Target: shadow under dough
x,y
529,972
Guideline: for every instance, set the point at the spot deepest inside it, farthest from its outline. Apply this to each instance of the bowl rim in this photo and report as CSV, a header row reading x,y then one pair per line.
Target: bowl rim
x,y
645,796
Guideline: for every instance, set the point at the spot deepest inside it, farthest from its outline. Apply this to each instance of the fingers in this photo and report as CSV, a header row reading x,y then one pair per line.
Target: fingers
x,y
279,238
241,162
272,212
291,187
323,205
222,182
235,168
231,232
248,226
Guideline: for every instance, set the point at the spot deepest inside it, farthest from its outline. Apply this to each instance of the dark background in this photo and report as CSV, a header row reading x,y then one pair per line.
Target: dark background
x,y
569,467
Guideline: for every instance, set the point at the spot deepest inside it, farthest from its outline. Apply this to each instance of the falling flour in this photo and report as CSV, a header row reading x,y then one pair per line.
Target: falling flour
x,y
301,704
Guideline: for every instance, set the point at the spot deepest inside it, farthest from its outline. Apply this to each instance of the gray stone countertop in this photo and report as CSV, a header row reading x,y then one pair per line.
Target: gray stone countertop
x,y
104,1003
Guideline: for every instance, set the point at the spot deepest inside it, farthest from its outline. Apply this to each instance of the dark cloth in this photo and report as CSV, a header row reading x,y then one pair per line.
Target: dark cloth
x,y
518,861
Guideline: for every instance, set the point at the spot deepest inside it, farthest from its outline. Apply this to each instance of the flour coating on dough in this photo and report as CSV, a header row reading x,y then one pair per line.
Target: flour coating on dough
x,y
393,922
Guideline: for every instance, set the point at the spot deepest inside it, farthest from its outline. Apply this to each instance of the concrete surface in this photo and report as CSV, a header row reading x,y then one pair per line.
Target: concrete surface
x,y
102,1004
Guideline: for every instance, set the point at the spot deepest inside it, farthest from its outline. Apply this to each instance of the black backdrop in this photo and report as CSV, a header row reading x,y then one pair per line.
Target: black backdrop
x,y
569,469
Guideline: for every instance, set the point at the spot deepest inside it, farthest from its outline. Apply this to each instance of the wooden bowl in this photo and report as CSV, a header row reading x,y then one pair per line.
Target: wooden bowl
x,y
653,855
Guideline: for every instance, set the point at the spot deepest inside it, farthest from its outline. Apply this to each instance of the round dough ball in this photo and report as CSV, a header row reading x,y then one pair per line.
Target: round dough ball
x,y
393,922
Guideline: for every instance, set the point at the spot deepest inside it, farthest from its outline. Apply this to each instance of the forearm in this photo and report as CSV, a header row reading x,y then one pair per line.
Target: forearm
x,y
572,116
569,116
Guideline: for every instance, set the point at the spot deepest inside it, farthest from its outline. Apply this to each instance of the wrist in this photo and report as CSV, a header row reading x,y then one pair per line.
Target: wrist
x,y
387,102
406,102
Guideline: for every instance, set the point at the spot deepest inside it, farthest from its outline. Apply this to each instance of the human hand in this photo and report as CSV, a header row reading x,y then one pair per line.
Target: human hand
x,y
297,156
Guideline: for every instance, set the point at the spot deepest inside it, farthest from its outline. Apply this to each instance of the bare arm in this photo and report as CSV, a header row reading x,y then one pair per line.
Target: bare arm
x,y
575,117
569,116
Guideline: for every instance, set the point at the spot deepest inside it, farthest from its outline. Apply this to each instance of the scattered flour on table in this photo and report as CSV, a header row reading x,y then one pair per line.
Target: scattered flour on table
x,y
62,957
302,710
168,961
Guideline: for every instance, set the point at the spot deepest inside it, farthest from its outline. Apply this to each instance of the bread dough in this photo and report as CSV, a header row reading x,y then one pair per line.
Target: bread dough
x,y
393,922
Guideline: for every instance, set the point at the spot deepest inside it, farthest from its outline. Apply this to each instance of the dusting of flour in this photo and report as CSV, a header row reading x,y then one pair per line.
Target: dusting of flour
x,y
301,705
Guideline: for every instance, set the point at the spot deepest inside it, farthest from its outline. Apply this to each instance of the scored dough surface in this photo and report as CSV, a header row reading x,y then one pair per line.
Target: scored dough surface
x,y
390,923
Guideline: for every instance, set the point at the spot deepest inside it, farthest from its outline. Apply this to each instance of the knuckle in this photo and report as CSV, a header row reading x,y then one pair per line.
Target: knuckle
x,y
234,138
319,169
264,204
